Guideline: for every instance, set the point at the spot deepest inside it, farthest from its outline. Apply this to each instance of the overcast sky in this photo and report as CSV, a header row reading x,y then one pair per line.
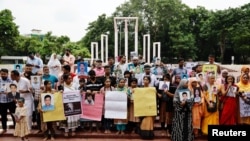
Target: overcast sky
x,y
71,17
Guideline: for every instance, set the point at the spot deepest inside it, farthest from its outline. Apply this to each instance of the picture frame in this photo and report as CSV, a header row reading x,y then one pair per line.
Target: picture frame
x,y
164,85
48,103
36,81
184,95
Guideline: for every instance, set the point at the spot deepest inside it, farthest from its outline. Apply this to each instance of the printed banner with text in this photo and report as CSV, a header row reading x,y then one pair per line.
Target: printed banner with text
x,y
72,103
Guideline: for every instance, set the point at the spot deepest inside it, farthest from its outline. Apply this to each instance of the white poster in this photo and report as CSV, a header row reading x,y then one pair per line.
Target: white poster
x,y
116,105
190,65
36,82
72,103
244,107
164,85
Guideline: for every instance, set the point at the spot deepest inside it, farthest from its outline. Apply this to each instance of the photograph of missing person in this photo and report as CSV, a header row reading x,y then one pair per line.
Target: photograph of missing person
x,y
72,108
13,94
232,91
47,102
4,87
200,77
184,76
82,68
36,82
197,95
89,99
18,67
164,85
214,90
184,95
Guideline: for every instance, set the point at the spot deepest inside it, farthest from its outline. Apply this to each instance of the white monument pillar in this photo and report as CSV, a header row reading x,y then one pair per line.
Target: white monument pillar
x,y
104,37
158,46
125,20
94,47
146,43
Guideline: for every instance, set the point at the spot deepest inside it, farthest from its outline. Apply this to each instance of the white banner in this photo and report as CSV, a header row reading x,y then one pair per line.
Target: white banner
x,y
115,105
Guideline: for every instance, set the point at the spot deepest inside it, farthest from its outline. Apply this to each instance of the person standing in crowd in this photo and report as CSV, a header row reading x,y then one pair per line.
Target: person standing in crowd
x,y
182,128
120,67
24,87
147,72
34,62
211,112
93,86
170,108
99,70
128,77
133,121
27,73
244,70
159,70
198,107
211,61
244,86
49,125
50,77
6,103
147,122
54,65
111,64
222,78
71,122
121,123
38,56
180,70
107,87
107,74
21,128
229,92
69,59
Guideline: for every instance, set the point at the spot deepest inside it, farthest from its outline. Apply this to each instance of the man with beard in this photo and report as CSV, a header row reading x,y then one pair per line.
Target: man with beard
x,y
34,62
27,71
69,59
6,103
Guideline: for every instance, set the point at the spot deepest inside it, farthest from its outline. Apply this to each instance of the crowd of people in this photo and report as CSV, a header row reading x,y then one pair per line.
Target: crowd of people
x,y
210,100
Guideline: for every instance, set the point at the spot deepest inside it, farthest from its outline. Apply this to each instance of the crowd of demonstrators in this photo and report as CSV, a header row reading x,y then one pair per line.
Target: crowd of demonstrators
x,y
212,100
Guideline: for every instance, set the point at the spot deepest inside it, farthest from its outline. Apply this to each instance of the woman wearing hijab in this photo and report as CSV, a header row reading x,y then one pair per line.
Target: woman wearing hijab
x,y
198,107
244,86
54,65
244,70
182,128
211,112
221,79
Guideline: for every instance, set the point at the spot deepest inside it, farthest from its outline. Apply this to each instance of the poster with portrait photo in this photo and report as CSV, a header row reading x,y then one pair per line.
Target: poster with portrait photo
x,y
72,103
18,67
200,77
184,95
4,87
48,102
82,68
35,81
164,85
89,99
197,95
231,91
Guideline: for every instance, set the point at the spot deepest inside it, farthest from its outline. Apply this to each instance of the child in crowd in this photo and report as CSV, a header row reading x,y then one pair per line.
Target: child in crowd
x,y
21,129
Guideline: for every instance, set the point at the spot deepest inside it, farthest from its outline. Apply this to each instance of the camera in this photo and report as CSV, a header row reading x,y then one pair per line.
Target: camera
x,y
241,93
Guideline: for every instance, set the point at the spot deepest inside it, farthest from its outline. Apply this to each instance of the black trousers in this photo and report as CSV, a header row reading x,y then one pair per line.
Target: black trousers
x,y
4,107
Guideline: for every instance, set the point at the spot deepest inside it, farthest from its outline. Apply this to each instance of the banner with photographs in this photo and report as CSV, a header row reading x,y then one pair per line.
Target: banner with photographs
x,y
58,111
72,103
48,102
92,106
36,81
245,107
145,102
115,105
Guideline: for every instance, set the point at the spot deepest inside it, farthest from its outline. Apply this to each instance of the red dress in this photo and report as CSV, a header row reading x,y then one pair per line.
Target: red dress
x,y
228,114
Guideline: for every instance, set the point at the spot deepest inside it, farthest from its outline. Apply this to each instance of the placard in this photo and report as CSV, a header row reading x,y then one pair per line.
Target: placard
x,y
244,107
48,103
72,103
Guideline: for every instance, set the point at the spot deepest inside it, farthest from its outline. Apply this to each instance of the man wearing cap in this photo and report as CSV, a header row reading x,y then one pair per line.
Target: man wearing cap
x,y
69,59
34,62
99,70
147,72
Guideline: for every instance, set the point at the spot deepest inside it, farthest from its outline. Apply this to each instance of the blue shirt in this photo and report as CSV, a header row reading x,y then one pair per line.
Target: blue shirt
x,y
51,78
48,108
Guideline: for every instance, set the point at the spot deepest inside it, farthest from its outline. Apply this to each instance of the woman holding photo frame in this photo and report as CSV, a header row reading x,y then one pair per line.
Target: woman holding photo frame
x,y
198,107
182,128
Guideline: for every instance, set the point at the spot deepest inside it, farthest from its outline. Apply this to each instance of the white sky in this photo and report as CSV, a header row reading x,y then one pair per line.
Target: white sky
x,y
71,17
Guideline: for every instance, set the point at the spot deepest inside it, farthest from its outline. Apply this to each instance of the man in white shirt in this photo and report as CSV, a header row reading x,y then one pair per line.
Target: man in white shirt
x,y
34,62
154,82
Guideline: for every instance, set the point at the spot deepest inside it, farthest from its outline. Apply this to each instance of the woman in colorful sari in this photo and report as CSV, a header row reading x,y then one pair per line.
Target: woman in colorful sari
x,y
182,128
244,70
147,122
229,90
198,107
211,112
244,87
